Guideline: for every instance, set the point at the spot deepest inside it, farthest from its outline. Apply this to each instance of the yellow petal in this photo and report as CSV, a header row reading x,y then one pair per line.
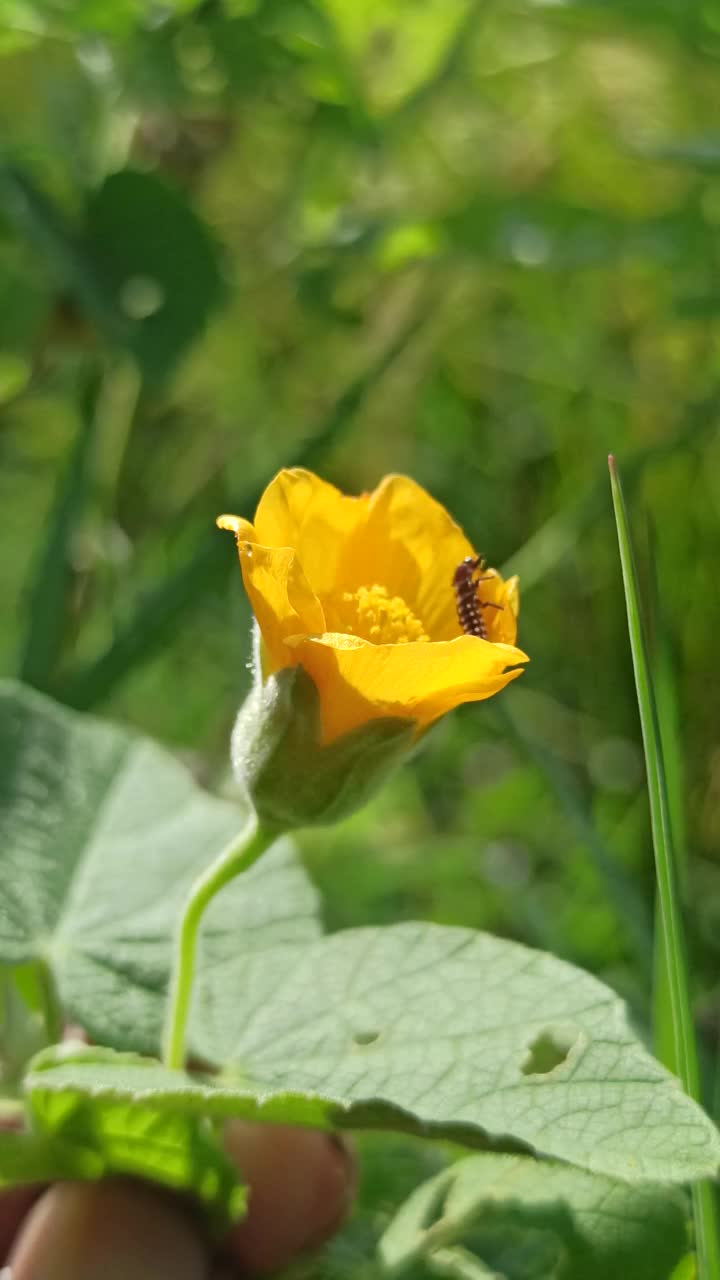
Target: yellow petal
x,y
502,623
411,545
279,593
300,510
359,681
512,594
242,529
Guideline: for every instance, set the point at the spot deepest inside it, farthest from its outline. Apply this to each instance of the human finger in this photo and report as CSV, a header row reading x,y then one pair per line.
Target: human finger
x,y
108,1230
301,1184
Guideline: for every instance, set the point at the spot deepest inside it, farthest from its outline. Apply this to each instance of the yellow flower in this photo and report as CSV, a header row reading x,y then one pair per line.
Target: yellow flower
x,y
359,592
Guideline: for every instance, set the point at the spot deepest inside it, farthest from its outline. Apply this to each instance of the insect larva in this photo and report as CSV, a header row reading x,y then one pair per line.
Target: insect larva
x,y
468,603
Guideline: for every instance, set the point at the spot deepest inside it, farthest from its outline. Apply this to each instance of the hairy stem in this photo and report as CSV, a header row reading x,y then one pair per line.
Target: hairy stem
x,y
236,857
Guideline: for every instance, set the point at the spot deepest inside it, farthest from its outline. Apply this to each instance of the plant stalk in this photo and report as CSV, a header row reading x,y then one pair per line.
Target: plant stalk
x,y
236,857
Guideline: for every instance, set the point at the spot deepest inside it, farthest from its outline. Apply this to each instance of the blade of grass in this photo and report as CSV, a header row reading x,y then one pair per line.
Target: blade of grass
x,y
666,871
46,609
668,714
669,725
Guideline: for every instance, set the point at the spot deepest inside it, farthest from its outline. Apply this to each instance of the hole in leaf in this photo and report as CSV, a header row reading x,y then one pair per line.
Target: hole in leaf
x,y
549,1050
362,1038
141,296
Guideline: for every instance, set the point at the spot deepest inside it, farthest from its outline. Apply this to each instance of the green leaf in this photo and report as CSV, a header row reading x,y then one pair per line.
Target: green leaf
x,y
394,48
144,267
101,835
531,1220
82,1137
428,1030
171,1147
35,1157
438,1029
419,1028
21,1025
159,262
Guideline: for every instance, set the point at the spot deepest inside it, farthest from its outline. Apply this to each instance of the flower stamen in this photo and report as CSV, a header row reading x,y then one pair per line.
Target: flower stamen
x,y
372,614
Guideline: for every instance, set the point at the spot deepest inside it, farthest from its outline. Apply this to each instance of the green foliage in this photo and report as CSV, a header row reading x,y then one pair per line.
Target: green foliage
x,y
142,266
102,834
46,615
84,1138
158,260
320,1045
532,1220
28,1157
27,20
418,1028
470,241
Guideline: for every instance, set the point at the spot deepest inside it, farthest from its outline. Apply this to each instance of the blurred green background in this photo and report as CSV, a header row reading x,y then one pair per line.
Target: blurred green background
x,y
475,242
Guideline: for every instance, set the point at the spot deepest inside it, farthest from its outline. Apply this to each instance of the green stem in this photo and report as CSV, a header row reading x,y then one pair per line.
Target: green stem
x,y
236,857
49,1003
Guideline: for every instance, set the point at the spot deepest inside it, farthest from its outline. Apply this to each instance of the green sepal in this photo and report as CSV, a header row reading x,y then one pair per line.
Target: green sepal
x,y
291,777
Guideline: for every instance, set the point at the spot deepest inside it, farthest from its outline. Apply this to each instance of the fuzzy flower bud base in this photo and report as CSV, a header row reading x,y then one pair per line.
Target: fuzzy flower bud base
x,y
291,778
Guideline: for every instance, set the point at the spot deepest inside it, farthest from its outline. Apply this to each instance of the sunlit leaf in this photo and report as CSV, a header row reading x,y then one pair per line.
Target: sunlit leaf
x,y
395,47
101,834
530,1220
428,1030
90,1138
417,1027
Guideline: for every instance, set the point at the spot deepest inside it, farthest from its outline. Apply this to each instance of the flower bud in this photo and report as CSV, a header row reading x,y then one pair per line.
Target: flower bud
x,y
291,777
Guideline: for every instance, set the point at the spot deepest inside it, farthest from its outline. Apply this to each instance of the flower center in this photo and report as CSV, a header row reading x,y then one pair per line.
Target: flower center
x,y
372,614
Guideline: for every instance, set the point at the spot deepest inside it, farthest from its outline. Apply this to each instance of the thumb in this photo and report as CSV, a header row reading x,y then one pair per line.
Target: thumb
x,y
301,1185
